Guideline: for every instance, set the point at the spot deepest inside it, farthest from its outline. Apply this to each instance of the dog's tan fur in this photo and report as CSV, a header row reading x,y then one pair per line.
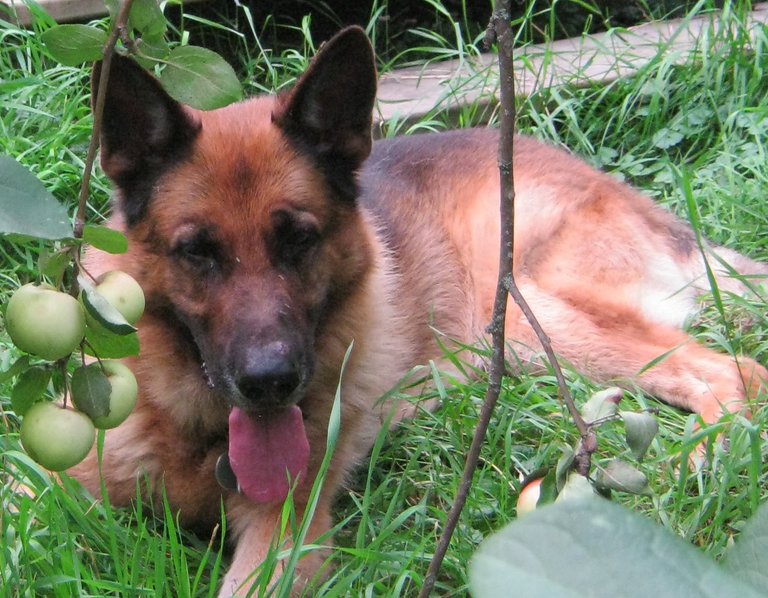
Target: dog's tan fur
x,y
611,276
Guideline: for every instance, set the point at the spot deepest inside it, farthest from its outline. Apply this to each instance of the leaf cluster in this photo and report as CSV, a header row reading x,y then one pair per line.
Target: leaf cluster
x,y
191,74
30,214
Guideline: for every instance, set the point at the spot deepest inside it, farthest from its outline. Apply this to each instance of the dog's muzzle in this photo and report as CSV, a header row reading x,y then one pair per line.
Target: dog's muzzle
x,y
270,376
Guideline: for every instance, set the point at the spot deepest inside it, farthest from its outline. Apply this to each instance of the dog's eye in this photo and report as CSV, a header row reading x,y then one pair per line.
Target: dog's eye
x,y
199,251
295,234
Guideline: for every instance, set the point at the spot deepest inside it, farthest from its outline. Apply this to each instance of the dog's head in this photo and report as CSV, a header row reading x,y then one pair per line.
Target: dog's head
x,y
242,222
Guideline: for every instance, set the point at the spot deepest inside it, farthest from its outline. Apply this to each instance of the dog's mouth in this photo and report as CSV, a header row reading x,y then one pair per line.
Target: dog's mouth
x,y
267,454
268,451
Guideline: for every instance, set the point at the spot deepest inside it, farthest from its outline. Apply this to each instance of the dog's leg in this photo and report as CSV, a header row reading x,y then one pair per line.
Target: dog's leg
x,y
612,342
256,528
165,464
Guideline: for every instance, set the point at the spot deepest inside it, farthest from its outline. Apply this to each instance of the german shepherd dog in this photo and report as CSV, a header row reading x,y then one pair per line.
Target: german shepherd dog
x,y
272,235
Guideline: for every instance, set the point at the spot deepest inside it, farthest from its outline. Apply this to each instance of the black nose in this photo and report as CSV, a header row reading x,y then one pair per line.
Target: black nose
x,y
269,375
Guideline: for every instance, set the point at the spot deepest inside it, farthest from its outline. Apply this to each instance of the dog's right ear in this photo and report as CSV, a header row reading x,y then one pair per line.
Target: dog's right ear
x,y
329,112
144,131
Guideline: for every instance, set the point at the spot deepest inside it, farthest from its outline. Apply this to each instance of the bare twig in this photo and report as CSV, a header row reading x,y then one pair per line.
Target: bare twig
x,y
98,110
583,457
500,30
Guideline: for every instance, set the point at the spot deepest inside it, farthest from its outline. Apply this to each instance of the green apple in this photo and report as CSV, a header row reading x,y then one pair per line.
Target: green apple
x,y
122,398
123,293
45,322
55,437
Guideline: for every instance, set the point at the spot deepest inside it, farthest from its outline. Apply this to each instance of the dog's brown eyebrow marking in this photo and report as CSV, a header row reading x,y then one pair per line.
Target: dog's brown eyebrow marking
x,y
243,176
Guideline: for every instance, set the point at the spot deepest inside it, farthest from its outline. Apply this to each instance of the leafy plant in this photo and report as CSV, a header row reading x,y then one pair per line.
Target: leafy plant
x,y
586,546
30,214
193,75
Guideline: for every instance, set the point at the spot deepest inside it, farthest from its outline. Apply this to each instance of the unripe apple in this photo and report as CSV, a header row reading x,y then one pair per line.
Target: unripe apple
x,y
123,293
45,322
55,437
122,399
528,498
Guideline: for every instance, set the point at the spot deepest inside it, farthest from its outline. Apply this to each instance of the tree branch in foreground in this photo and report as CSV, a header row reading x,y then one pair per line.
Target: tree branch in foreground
x,y
500,31
121,23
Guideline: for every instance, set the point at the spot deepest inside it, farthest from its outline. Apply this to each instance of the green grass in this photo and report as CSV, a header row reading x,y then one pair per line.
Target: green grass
x,y
707,118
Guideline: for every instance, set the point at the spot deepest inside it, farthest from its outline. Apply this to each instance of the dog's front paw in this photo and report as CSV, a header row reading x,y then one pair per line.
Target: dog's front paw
x,y
256,529
245,580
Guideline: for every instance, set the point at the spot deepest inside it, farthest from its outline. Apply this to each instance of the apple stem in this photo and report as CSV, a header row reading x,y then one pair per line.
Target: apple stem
x,y
62,365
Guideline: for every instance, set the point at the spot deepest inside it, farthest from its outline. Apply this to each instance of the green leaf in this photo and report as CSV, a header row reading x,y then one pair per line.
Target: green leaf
x,y
102,311
104,344
72,45
748,557
548,489
200,78
575,488
18,366
641,429
90,390
147,17
602,405
53,263
563,467
105,238
592,547
150,50
620,475
666,138
28,389
26,207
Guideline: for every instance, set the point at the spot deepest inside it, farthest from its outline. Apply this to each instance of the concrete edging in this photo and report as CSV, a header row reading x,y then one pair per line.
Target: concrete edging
x,y
409,94
63,11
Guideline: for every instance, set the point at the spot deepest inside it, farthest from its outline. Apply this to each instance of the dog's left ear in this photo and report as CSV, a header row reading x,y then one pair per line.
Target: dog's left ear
x,y
329,112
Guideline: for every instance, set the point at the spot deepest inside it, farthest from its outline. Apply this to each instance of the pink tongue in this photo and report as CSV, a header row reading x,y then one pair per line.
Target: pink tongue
x,y
265,451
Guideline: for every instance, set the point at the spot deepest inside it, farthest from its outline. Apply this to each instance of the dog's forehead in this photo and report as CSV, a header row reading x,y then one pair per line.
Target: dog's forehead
x,y
240,142
245,160
242,169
